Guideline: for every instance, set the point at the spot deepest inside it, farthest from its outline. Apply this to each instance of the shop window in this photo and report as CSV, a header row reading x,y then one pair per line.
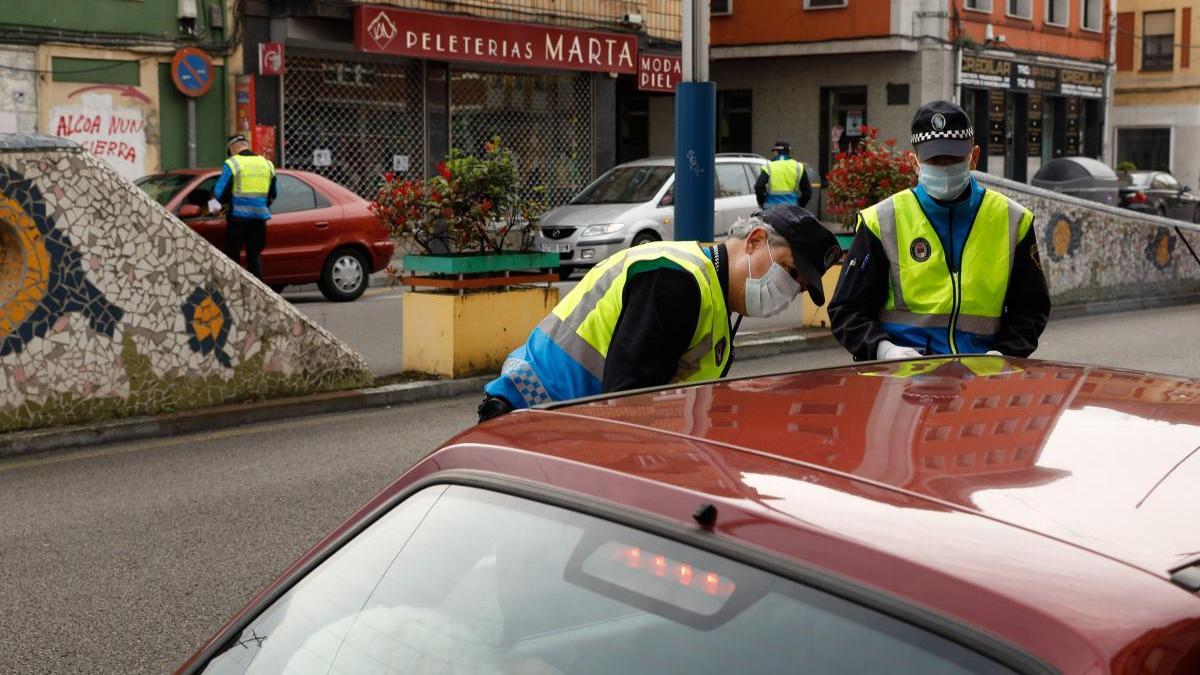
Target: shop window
x,y
978,5
1148,149
734,121
824,4
1091,11
1158,40
720,7
897,93
1056,12
1021,9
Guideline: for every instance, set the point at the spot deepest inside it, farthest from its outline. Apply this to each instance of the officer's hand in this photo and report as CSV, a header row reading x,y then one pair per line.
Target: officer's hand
x,y
214,207
888,351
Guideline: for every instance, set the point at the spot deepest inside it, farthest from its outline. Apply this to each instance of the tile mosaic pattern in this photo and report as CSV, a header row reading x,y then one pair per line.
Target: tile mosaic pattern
x,y
109,306
1096,253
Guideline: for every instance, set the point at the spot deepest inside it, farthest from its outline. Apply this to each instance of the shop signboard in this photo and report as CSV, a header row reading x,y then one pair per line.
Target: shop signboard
x,y
997,115
1035,78
244,99
659,72
981,71
385,30
854,123
1089,83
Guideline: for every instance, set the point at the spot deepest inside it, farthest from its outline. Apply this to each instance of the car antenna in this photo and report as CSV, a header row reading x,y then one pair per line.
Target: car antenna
x,y
706,515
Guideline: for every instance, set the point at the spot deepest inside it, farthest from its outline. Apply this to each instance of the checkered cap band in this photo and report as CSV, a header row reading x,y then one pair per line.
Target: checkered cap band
x,y
958,134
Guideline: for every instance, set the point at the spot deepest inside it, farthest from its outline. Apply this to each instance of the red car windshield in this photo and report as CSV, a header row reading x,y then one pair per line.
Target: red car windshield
x,y
459,579
163,187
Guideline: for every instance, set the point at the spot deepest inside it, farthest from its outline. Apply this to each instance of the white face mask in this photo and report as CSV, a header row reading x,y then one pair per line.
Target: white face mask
x,y
945,182
773,292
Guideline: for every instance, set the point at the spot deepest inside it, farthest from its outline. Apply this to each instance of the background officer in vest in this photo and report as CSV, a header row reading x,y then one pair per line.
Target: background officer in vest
x,y
947,267
781,179
247,187
659,313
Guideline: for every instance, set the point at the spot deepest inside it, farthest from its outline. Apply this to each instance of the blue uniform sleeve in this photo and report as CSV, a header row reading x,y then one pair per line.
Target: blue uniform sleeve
x,y
223,184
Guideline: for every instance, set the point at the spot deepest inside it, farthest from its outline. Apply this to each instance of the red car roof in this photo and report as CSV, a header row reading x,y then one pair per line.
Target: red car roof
x,y
1030,499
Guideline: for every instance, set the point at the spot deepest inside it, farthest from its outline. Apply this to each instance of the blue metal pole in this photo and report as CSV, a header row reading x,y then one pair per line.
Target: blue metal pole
x,y
695,160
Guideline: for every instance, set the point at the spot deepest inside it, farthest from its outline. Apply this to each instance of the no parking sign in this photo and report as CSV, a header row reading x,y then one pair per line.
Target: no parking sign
x,y
192,71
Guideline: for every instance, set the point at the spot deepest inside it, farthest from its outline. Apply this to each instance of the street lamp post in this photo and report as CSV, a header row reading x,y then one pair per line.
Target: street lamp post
x,y
695,131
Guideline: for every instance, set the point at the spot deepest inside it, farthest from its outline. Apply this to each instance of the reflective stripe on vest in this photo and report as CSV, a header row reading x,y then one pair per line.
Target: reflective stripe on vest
x,y
784,177
922,291
582,323
251,175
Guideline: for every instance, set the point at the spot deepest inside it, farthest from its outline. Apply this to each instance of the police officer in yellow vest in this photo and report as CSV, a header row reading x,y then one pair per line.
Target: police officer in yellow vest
x,y
779,181
247,187
659,312
947,267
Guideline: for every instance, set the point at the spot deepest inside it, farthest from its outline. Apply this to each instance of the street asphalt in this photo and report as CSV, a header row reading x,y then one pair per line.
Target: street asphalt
x,y
123,558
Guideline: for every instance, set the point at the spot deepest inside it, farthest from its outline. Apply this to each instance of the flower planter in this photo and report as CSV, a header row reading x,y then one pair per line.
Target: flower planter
x,y
479,263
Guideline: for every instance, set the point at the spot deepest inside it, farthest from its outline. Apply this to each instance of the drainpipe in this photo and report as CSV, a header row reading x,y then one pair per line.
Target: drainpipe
x,y
1109,131
957,29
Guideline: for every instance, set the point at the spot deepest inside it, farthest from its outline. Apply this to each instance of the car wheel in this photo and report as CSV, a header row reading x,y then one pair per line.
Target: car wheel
x,y
565,273
645,237
278,288
344,276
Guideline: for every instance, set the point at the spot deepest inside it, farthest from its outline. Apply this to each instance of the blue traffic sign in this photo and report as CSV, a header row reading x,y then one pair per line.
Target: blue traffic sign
x,y
192,71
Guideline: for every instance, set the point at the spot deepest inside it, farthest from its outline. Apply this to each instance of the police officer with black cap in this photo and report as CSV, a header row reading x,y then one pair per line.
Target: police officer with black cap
x,y
659,312
946,267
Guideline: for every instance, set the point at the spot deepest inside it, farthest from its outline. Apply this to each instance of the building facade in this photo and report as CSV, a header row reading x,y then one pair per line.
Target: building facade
x,y
393,85
814,72
1156,109
100,74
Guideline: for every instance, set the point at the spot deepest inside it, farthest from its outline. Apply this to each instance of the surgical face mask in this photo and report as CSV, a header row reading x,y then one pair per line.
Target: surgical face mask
x,y
771,293
945,182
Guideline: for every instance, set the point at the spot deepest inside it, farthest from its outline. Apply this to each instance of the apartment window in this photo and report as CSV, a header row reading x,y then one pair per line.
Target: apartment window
x,y
1148,149
1158,40
1091,11
720,7
1056,12
1022,9
824,4
978,5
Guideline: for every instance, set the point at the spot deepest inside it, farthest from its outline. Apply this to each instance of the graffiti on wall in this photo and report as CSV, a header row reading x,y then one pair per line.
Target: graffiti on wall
x,y
114,133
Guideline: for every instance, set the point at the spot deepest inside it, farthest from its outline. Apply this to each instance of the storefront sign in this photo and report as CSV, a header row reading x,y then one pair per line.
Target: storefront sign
x,y
997,116
1088,83
1033,77
1033,137
854,122
264,141
244,103
385,30
270,58
659,72
980,71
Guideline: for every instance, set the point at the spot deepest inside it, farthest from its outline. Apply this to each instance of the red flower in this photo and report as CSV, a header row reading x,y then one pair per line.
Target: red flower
x,y
890,142
443,170
485,205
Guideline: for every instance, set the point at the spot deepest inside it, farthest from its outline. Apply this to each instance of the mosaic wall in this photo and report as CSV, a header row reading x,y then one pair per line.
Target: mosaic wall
x,y
109,306
1094,253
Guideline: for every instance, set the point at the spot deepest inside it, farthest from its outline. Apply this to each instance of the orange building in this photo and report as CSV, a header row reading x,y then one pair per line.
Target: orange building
x,y
1032,73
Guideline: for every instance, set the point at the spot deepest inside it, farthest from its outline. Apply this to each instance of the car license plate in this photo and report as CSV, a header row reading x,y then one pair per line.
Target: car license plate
x,y
547,247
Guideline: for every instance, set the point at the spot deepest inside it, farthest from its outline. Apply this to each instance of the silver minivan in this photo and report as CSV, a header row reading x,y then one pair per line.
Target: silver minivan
x,y
633,203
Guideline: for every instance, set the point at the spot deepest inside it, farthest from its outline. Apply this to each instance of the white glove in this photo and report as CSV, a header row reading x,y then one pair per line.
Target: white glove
x,y
214,206
993,352
888,351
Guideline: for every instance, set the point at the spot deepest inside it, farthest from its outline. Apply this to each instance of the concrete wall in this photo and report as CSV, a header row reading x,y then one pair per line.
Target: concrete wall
x,y
110,306
1096,253
18,90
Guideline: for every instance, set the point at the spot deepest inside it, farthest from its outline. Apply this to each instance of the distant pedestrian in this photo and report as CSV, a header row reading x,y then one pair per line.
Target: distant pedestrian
x,y
781,180
246,188
947,267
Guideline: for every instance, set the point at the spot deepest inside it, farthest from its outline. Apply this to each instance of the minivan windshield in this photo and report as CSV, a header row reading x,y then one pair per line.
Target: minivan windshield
x,y
626,185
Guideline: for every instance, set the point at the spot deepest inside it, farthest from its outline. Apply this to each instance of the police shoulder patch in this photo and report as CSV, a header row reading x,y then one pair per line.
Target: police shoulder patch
x,y
920,249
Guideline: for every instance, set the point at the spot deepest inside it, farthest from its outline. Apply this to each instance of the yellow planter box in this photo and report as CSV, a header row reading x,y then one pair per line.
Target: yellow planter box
x,y
452,335
816,317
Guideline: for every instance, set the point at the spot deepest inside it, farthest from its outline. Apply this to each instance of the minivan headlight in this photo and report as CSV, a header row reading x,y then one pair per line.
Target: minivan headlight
x,y
600,230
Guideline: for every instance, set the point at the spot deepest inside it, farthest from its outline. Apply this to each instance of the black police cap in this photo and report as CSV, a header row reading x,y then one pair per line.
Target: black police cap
x,y
942,128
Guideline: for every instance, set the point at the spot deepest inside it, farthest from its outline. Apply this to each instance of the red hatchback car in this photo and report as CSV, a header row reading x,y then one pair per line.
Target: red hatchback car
x,y
319,231
937,516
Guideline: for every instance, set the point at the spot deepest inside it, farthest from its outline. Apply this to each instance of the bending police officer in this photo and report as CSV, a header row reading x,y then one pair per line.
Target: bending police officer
x,y
659,312
247,187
